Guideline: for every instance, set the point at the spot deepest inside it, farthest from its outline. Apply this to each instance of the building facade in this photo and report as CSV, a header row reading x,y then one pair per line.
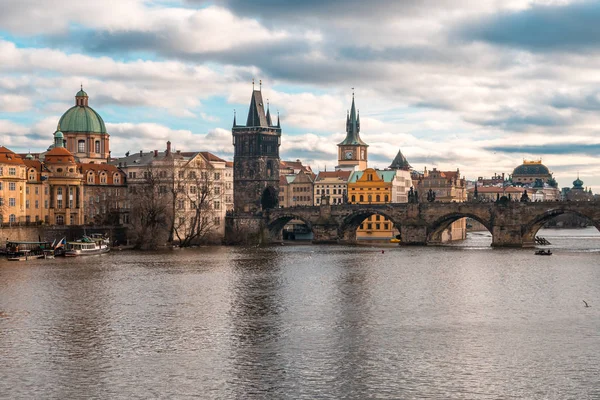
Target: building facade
x,y
333,184
373,186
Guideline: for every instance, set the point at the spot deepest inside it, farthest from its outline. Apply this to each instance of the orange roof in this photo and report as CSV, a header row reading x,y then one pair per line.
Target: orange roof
x,y
9,157
99,167
59,155
229,164
35,164
282,180
211,156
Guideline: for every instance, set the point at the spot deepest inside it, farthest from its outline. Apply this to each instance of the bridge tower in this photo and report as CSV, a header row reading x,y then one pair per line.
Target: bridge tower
x,y
352,151
256,156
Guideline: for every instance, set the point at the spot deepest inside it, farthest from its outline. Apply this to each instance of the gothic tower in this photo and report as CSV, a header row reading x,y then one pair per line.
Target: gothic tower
x,y
352,152
256,157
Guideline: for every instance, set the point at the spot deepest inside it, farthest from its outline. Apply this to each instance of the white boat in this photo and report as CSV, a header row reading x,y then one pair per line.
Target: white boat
x,y
87,246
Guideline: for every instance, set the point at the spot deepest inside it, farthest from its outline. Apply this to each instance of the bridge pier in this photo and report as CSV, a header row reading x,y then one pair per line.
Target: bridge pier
x,y
325,234
413,235
508,236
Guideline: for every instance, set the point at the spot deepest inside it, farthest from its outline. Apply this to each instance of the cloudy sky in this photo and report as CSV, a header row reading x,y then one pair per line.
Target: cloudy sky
x,y
475,85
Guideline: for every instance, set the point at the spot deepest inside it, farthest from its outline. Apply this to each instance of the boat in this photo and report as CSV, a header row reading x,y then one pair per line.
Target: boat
x,y
88,246
26,251
394,240
543,253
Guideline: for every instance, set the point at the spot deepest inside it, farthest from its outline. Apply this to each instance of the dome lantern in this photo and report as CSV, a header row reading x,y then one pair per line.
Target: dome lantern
x,y
81,98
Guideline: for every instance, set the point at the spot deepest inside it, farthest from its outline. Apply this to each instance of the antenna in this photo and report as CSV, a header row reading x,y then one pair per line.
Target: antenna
x,y
252,84
260,85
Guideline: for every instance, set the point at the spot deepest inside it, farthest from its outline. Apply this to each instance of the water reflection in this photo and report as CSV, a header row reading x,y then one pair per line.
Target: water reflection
x,y
306,322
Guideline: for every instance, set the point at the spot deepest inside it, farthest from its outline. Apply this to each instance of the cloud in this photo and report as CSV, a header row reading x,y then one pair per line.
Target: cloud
x,y
558,27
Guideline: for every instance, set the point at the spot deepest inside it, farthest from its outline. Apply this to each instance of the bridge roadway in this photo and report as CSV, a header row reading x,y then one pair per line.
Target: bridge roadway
x,y
512,224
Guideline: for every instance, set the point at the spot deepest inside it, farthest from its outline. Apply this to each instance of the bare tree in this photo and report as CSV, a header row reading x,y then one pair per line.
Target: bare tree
x,y
151,212
195,198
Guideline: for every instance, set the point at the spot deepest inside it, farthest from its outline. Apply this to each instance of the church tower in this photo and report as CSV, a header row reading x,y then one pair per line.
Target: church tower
x,y
256,156
352,152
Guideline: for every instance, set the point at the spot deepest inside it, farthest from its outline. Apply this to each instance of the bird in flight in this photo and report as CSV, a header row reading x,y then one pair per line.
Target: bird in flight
x,y
586,304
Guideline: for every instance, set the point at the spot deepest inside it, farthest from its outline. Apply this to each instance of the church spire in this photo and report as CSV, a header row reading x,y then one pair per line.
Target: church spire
x,y
269,122
256,113
234,122
353,127
278,124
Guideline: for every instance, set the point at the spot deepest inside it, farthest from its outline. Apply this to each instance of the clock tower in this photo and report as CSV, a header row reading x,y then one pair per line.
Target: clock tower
x,y
352,152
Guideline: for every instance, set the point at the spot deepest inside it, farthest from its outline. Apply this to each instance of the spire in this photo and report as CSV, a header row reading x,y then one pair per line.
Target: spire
x,y
269,122
234,122
256,113
278,124
400,162
353,127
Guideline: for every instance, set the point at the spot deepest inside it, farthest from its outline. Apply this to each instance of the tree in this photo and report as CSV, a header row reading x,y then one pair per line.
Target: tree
x,y
197,203
269,198
151,213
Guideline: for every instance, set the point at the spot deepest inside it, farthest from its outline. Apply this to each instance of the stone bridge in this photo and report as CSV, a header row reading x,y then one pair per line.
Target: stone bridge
x,y
511,224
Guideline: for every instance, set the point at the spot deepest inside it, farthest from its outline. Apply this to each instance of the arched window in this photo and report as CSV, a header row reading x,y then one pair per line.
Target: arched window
x,y
97,146
387,198
90,177
377,198
361,198
370,198
81,146
60,220
117,179
353,198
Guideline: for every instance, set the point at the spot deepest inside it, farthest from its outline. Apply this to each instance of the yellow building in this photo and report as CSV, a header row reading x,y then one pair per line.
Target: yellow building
x,y
12,187
372,186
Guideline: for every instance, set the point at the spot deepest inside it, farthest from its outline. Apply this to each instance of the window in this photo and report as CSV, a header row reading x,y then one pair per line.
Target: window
x,y
37,204
362,226
378,226
12,186
46,205
217,176
12,171
37,191
26,203
386,226
217,190
193,189
12,218
162,189
362,198
12,202
387,198
181,174
369,226
217,221
27,190
59,191
60,220
1,186
59,203
97,146
217,205
180,204
103,177
377,217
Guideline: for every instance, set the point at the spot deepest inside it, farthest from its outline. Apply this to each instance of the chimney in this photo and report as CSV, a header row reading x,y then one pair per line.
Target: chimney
x,y
168,147
155,153
141,153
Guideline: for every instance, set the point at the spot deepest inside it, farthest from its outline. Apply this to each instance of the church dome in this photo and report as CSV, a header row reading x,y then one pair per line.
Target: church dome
x,y
578,184
81,117
529,168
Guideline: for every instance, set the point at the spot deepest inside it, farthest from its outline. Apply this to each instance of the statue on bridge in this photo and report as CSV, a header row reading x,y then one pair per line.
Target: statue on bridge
x,y
413,196
524,197
431,196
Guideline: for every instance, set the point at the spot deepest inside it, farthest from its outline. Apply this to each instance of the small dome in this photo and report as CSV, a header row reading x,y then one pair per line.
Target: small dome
x,y
29,156
58,134
81,93
82,119
531,168
577,184
59,155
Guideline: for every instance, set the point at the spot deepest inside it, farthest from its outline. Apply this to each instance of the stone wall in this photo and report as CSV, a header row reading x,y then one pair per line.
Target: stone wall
x,y
51,233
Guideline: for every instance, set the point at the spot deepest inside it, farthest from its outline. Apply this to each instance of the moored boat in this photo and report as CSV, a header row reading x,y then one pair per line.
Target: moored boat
x,y
26,251
87,246
543,253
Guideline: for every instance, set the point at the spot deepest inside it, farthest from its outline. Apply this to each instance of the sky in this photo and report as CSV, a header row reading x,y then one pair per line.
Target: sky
x,y
478,86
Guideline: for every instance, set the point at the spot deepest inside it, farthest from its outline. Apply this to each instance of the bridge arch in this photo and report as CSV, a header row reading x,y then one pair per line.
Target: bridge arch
x,y
531,229
349,225
275,226
435,229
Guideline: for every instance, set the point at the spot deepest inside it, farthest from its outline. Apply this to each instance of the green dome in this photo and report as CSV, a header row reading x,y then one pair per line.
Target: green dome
x,y
58,134
82,119
531,169
81,93
577,184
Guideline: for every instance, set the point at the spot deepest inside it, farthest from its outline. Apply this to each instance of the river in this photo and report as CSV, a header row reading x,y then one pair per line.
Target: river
x,y
307,322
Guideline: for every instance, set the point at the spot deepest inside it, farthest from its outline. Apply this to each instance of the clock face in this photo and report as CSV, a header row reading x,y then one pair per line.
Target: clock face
x,y
348,155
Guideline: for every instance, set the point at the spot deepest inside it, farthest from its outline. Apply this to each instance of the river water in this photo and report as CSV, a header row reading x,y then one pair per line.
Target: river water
x,y
307,322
